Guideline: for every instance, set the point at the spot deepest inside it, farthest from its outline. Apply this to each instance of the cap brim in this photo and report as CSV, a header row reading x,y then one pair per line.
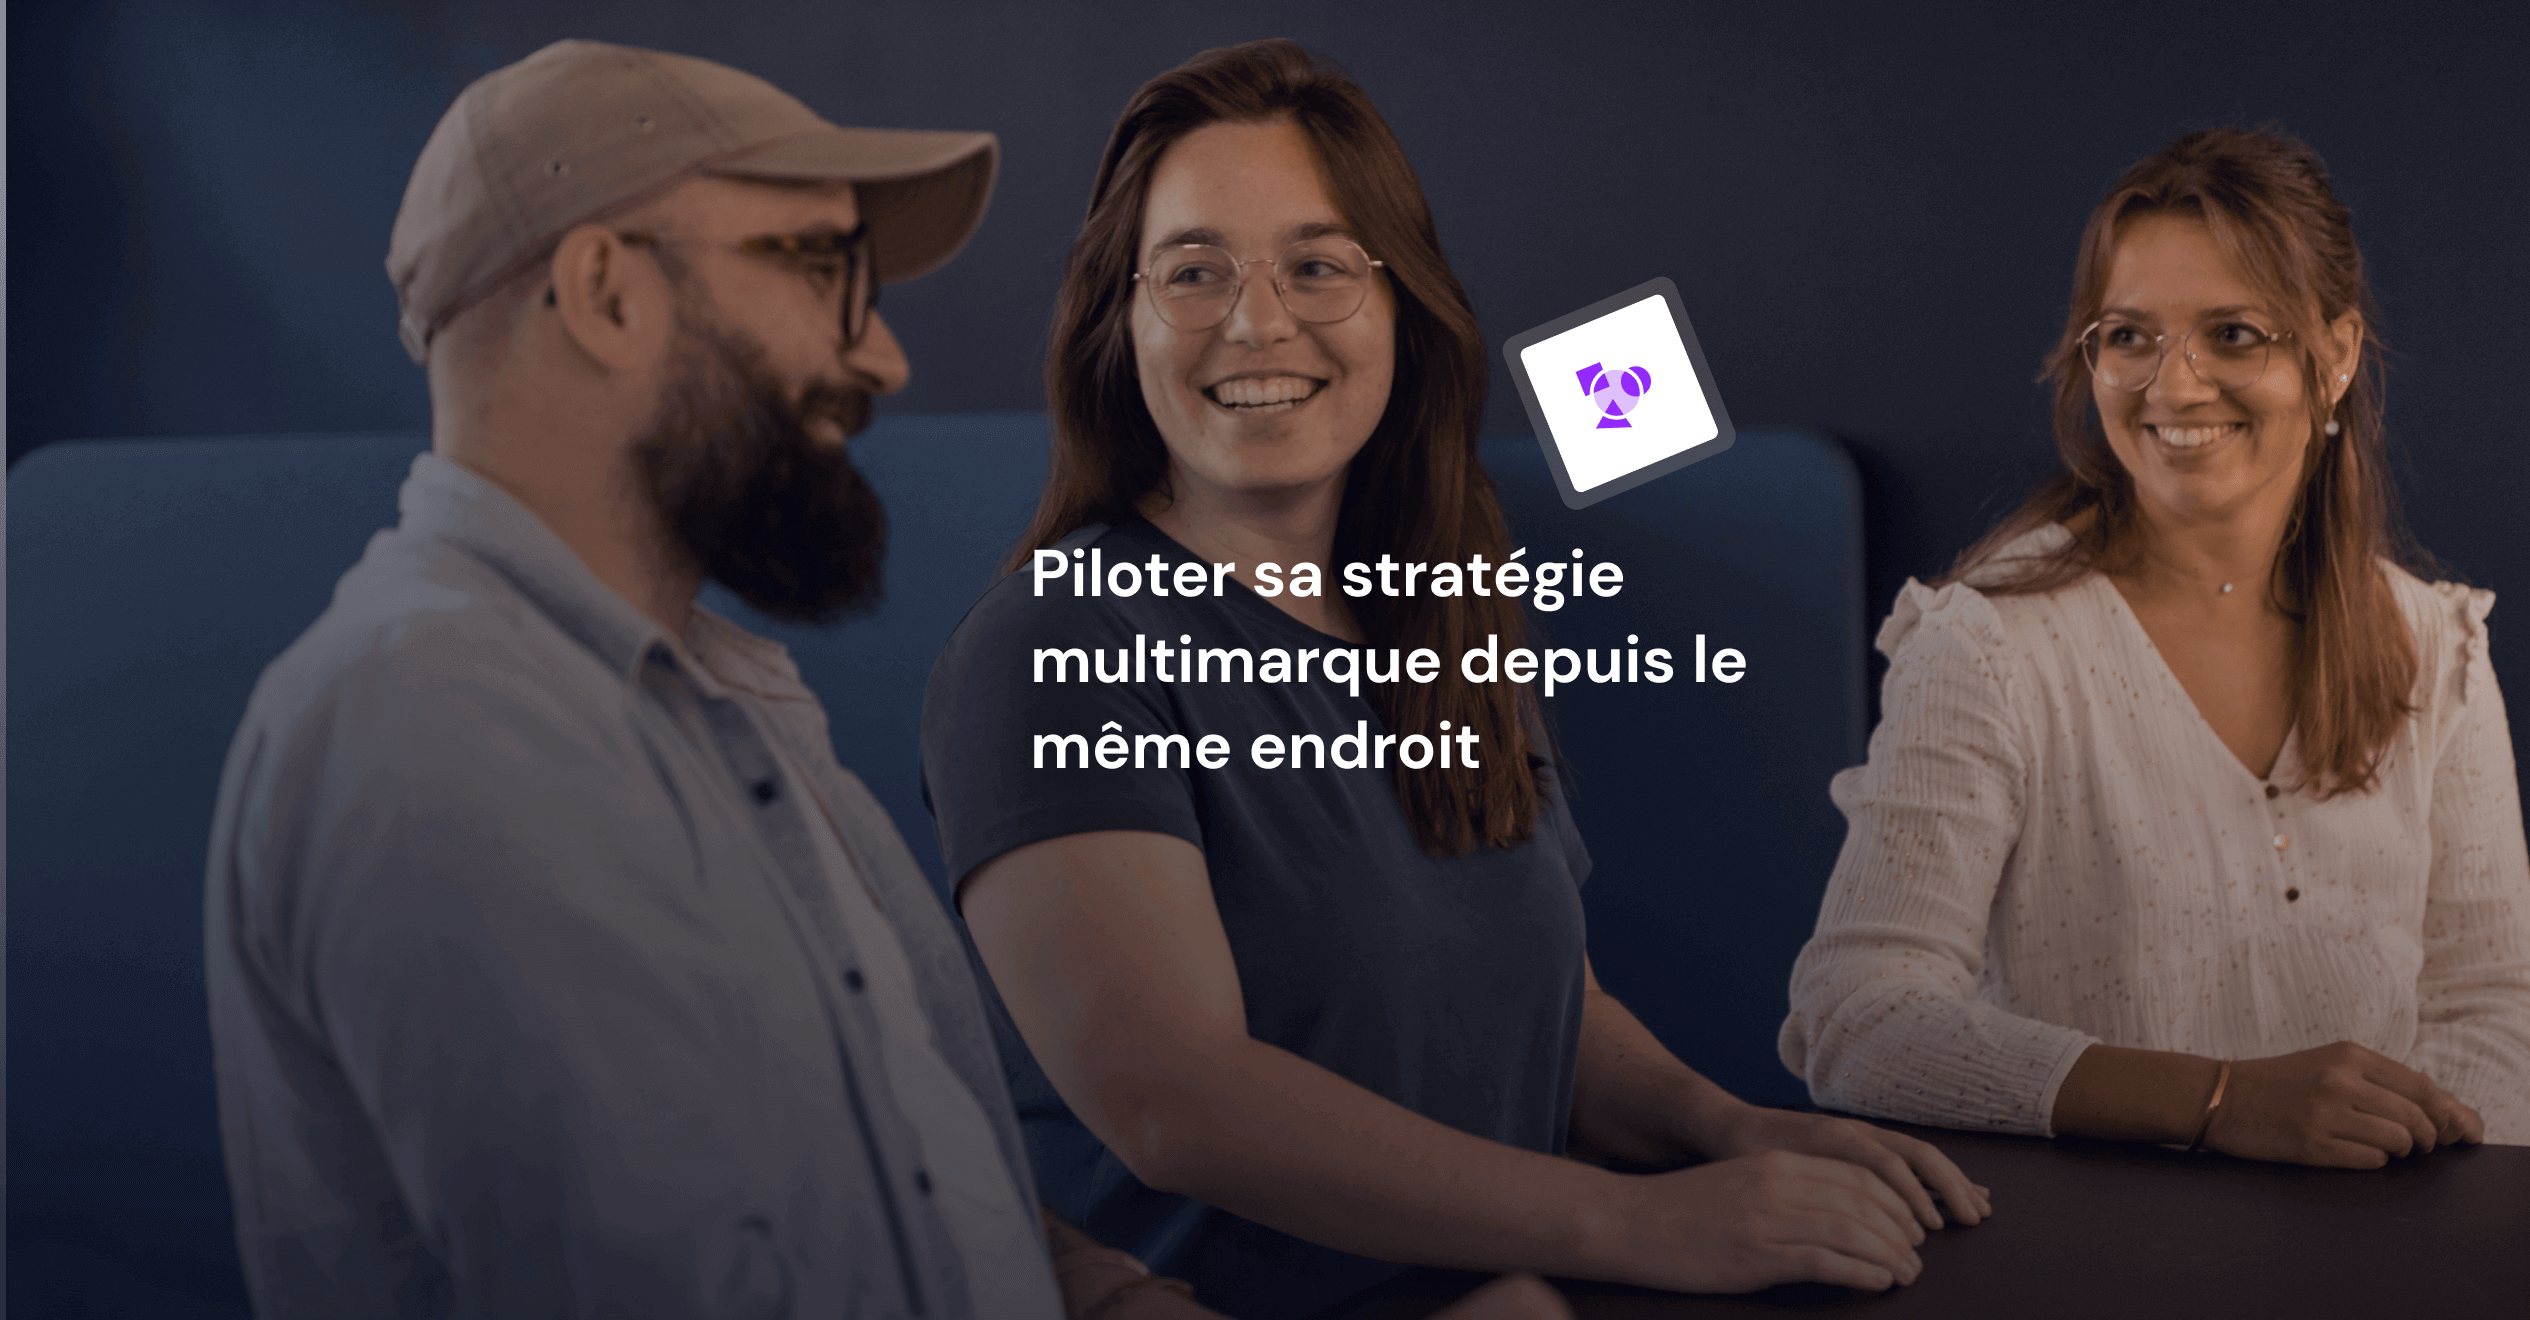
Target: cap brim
x,y
922,191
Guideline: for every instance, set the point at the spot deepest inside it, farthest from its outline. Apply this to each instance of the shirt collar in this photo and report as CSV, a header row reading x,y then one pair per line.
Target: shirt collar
x,y
737,659
444,501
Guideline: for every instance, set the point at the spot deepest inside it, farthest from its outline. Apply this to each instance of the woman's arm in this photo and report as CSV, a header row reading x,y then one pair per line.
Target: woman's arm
x,y
1109,952
1885,1015
1635,1101
2473,995
2339,1105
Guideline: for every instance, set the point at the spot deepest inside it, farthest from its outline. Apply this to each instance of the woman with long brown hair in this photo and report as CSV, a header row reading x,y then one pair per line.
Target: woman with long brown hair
x,y
2191,817
1308,1004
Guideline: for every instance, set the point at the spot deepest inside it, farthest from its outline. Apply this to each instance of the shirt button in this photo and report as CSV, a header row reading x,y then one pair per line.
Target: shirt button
x,y
922,1182
765,790
2281,843
852,977
2273,791
2292,896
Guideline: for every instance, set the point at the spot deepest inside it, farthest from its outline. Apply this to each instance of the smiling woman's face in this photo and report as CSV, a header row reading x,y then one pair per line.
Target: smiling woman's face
x,y
2197,452
1261,405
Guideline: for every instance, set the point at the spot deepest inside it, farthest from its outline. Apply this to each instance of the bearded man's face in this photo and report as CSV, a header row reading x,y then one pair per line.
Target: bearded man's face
x,y
748,496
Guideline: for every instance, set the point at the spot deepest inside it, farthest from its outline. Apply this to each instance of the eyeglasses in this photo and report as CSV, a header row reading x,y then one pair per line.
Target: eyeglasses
x,y
1319,280
2226,352
825,258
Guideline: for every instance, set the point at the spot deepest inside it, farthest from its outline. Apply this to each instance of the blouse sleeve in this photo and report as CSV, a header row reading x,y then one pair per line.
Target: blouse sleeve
x,y
2473,997
1885,1018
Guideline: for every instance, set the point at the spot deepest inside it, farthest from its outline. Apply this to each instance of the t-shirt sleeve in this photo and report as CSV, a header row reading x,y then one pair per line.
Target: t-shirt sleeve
x,y
1022,743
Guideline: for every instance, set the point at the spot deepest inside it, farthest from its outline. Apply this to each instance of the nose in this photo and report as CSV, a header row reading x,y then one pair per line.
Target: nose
x,y
879,357
1259,318
2177,383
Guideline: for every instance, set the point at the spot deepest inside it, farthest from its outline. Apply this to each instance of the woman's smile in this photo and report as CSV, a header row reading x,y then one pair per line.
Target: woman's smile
x,y
1263,393
2195,437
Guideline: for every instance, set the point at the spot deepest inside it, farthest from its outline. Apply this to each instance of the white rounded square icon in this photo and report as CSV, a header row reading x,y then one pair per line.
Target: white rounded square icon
x,y
1619,393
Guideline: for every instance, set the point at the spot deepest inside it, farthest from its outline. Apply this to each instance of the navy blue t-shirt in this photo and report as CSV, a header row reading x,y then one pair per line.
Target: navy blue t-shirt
x,y
1452,987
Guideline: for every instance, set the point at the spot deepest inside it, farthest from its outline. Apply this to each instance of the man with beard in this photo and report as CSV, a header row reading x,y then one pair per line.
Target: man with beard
x,y
555,966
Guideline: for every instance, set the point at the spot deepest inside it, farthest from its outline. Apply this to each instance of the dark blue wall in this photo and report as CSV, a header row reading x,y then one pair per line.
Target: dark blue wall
x,y
1870,208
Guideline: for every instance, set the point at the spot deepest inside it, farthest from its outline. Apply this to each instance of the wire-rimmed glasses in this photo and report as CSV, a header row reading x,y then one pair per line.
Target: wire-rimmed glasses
x,y
2228,352
1320,280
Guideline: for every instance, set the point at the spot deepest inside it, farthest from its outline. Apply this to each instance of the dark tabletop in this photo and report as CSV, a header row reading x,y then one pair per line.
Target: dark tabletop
x,y
2102,1229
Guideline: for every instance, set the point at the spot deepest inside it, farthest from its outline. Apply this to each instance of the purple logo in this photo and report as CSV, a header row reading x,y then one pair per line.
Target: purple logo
x,y
1615,395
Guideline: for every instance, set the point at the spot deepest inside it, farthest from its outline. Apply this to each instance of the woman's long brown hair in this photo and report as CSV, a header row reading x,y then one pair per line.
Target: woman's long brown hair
x,y
1415,491
2267,202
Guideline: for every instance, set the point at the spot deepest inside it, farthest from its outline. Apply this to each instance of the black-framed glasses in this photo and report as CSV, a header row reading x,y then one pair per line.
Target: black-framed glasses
x,y
831,260
1319,280
2228,352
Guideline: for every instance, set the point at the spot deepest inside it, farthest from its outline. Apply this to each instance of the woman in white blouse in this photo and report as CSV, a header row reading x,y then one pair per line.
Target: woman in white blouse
x,y
2191,817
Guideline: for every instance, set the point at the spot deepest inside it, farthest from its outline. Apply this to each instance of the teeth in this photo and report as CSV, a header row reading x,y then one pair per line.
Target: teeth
x,y
1256,392
2192,437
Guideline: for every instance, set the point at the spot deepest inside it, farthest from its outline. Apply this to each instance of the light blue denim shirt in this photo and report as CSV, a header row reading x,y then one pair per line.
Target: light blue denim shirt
x,y
532,991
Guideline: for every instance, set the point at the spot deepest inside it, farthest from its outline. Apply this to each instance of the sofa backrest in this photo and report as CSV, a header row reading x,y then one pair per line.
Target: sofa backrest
x,y
149,583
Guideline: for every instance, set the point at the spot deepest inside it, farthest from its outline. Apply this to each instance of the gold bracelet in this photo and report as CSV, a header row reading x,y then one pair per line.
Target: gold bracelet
x,y
2221,1080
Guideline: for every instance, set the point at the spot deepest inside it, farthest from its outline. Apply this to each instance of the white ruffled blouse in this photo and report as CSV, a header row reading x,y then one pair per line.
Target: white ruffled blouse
x,y
2050,847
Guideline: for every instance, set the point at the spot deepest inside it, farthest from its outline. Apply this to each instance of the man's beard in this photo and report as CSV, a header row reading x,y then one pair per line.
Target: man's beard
x,y
748,497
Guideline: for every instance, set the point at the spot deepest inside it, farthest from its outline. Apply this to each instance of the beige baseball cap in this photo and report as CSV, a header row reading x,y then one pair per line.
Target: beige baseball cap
x,y
581,130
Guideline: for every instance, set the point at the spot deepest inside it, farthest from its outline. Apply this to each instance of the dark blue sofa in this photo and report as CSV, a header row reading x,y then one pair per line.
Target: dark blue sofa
x,y
150,581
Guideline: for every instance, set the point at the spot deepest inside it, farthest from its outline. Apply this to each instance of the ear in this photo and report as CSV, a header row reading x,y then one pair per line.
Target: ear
x,y
616,305
2343,350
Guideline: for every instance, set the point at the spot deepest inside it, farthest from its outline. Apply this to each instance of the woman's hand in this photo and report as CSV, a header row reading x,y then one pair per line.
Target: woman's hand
x,y
1635,1101
1759,1220
1906,1165
2339,1106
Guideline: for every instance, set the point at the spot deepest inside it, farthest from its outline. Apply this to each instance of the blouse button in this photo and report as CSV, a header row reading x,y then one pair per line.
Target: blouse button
x,y
2292,896
2281,843
2273,791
